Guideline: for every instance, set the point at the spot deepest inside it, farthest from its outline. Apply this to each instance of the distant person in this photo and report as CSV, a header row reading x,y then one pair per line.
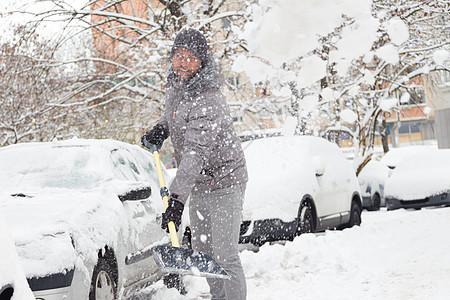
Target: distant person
x,y
210,159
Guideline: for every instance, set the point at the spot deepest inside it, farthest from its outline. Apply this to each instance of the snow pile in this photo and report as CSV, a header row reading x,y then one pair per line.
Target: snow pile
x,y
358,263
393,255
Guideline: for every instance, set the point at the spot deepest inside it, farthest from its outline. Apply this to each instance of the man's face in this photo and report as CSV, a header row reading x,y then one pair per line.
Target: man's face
x,y
185,64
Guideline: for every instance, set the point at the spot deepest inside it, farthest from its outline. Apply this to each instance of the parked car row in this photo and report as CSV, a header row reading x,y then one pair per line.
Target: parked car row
x,y
85,214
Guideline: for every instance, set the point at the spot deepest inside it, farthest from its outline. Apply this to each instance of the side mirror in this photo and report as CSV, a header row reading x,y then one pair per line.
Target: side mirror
x,y
137,194
319,166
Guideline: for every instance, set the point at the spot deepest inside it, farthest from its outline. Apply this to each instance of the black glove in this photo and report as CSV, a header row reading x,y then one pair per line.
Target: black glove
x,y
173,213
155,137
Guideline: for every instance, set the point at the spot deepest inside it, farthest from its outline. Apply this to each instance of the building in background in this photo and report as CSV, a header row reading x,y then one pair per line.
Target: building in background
x,y
442,112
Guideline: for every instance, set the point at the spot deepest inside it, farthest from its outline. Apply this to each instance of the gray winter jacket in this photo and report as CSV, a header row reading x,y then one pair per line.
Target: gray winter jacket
x,y
208,153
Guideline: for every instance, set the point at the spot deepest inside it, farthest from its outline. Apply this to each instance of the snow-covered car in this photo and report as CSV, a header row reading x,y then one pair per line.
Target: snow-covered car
x,y
297,184
374,175
420,180
84,215
371,180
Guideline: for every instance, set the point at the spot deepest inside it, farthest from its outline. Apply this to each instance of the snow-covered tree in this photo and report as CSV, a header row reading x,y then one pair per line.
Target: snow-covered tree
x,y
26,87
343,61
116,54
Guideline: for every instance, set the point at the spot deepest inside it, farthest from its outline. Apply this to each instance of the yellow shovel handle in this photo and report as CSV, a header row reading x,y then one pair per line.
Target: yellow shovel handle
x,y
165,198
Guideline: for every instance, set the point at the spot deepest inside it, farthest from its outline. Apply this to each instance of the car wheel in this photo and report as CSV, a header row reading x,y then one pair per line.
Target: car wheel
x,y
376,203
305,220
355,216
103,286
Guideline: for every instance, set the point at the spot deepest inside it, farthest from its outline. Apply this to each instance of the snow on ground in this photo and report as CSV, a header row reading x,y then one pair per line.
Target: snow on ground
x,y
401,254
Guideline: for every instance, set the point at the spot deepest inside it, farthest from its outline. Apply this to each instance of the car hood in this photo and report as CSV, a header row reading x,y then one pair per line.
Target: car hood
x,y
52,227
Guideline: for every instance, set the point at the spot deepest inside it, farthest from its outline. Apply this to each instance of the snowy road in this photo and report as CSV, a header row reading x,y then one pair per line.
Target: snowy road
x,y
402,254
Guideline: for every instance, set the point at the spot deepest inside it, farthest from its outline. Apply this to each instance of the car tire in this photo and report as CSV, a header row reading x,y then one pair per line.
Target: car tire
x,y
305,220
355,216
376,203
103,285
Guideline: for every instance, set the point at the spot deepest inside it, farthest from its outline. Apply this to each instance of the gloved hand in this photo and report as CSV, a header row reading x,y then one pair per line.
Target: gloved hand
x,y
155,137
173,213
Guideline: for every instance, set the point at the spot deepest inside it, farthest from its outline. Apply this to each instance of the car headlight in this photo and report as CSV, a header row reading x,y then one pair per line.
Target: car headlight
x,y
52,281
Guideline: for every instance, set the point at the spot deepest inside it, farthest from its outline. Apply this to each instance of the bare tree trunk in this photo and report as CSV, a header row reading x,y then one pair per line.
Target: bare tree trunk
x,y
384,136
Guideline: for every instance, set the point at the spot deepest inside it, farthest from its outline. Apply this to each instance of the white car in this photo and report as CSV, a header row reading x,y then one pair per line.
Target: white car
x,y
84,215
420,180
374,175
296,185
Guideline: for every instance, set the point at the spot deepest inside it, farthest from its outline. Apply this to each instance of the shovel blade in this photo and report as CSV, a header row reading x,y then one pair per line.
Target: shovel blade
x,y
187,261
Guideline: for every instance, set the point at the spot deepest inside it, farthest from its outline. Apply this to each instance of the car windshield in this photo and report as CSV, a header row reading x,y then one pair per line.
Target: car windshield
x,y
63,166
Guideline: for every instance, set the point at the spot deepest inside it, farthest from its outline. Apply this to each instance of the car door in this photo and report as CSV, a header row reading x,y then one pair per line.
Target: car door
x,y
143,216
331,195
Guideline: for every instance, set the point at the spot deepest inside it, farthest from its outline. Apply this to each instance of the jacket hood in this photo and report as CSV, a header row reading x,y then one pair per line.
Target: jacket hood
x,y
208,77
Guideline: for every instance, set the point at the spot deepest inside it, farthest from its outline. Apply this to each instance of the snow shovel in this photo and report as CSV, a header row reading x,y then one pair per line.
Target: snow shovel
x,y
174,259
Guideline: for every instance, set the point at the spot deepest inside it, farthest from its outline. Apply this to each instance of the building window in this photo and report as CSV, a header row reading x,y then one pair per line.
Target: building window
x,y
233,83
409,127
226,23
238,119
445,75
